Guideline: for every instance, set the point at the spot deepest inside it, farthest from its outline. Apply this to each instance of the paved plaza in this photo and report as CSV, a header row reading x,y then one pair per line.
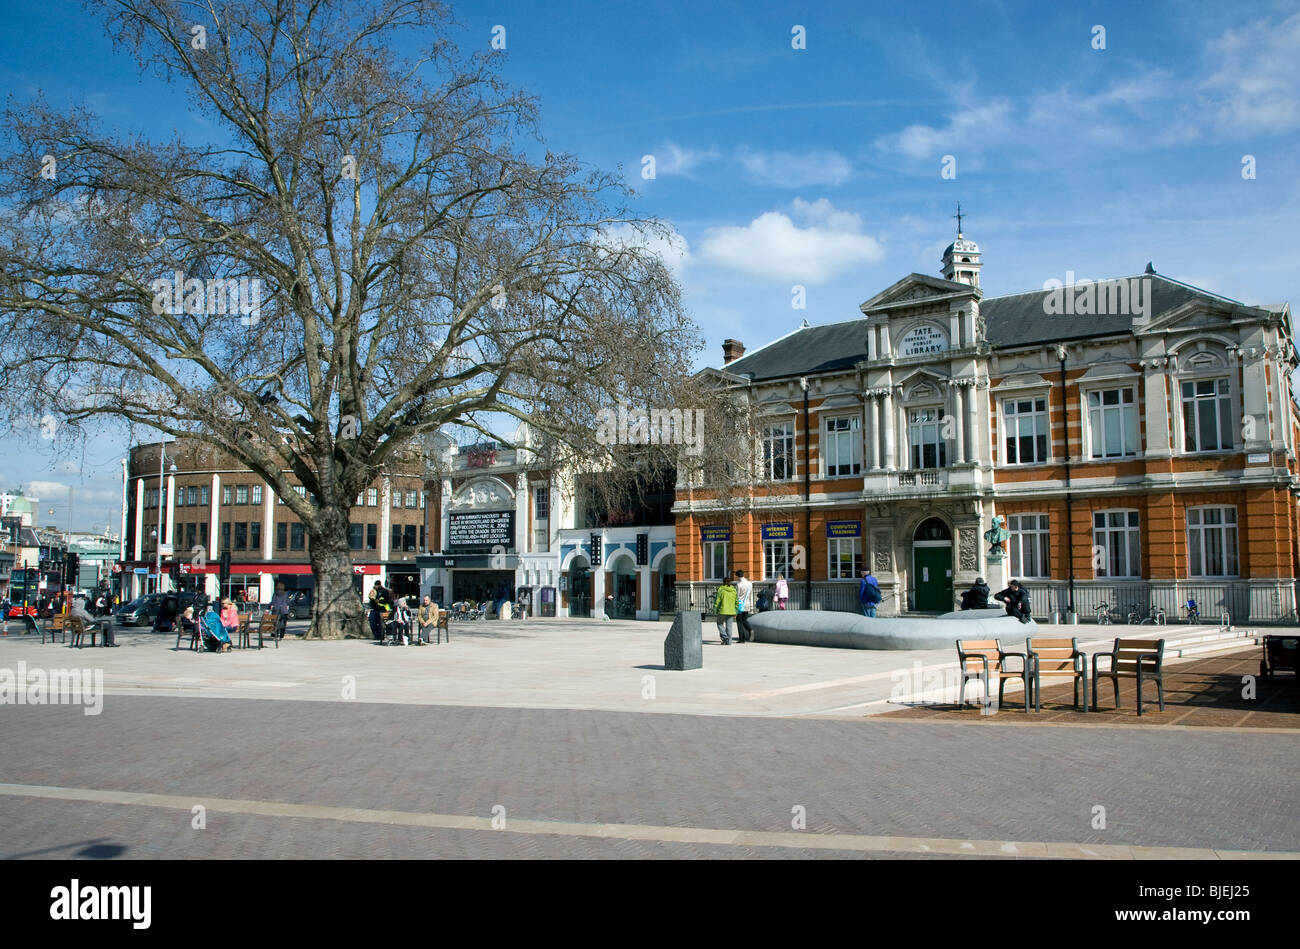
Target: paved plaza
x,y
532,739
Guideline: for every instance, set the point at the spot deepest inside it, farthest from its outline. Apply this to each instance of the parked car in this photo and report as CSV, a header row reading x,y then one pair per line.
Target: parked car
x,y
144,609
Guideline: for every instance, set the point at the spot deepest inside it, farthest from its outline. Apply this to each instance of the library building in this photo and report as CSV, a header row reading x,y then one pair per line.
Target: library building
x,y
1129,442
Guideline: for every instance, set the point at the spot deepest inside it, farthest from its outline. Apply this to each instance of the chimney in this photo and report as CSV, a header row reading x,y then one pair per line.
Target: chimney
x,y
732,349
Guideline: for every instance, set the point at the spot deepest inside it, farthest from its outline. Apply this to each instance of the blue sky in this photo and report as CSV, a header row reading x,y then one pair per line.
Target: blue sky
x,y
822,166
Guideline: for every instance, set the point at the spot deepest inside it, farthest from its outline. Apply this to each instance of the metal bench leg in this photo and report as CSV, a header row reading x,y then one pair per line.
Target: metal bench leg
x,y
1160,690
1139,685
1115,681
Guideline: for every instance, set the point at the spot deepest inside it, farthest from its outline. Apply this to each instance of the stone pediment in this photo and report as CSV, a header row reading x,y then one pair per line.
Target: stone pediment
x,y
485,494
915,289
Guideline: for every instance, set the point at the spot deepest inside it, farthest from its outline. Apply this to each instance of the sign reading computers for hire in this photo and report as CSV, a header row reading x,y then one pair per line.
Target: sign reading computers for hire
x,y
921,340
481,529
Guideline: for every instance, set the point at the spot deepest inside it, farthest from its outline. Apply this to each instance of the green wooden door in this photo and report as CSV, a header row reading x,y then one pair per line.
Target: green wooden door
x,y
933,579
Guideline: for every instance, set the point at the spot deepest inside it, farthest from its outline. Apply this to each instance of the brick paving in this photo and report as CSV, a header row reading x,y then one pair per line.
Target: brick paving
x,y
1219,789
1201,693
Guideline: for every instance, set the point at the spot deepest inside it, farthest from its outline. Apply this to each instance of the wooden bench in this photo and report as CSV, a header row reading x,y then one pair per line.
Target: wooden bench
x,y
269,626
1057,657
444,623
985,658
45,629
243,632
1132,659
196,635
77,627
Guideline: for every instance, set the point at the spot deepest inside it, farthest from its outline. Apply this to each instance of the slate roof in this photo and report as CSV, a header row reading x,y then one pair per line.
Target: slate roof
x,y
1018,319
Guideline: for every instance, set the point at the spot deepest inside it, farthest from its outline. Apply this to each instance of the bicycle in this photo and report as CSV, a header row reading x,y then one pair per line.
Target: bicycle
x,y
1104,615
1155,617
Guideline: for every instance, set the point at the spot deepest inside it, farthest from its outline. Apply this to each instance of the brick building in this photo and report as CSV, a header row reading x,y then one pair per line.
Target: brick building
x,y
209,501
1137,437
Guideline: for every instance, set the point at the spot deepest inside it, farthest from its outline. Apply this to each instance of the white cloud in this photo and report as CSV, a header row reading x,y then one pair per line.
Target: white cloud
x,y
976,126
1256,75
774,246
671,159
795,169
664,242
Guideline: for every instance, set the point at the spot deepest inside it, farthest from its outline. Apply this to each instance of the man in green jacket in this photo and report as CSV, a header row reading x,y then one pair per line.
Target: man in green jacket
x,y
724,606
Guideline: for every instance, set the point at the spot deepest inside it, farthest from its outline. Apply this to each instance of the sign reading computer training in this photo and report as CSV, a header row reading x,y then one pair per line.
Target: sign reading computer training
x,y
921,340
481,529
843,528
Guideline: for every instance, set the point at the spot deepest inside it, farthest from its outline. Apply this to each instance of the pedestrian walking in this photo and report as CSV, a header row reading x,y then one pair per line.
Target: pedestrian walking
x,y
781,593
744,604
724,607
868,594
280,608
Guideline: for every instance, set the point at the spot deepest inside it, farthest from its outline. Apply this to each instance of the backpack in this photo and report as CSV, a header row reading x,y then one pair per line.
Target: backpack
x,y
872,594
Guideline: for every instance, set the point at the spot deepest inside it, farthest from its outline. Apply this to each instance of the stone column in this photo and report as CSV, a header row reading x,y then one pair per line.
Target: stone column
x,y
268,523
974,452
139,519
213,582
171,509
960,419
385,518
873,410
887,411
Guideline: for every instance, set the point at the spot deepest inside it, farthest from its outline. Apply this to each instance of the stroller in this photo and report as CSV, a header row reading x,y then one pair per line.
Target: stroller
x,y
215,637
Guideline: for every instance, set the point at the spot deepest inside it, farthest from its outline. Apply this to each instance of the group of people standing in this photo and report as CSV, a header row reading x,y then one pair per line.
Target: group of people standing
x,y
734,602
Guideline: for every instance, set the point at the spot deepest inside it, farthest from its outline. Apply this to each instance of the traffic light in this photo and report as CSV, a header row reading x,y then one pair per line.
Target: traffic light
x,y
225,567
70,568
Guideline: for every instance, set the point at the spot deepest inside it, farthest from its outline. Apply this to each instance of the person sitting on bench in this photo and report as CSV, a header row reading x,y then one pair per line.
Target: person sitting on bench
x,y
89,622
977,597
1016,599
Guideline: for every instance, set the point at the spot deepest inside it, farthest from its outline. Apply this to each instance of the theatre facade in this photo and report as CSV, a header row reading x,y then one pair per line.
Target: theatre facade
x,y
1132,441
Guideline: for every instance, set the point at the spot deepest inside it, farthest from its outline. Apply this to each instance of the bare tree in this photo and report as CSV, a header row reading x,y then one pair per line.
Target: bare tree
x,y
369,249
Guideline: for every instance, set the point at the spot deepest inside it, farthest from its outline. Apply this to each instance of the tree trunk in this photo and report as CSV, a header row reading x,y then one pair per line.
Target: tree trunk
x,y
338,613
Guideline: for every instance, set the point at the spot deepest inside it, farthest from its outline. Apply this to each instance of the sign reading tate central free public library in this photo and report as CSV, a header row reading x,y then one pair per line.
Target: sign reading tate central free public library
x,y
923,339
481,529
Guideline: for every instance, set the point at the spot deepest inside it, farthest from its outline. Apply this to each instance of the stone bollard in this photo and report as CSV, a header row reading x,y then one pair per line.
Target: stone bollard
x,y
684,644
504,612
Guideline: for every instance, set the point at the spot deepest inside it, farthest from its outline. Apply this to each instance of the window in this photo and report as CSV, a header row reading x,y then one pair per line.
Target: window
x,y
397,498
180,497
395,541
1028,544
1112,416
841,446
541,502
925,437
255,535
281,535
354,536
203,495
372,537
1025,421
844,556
225,535
226,494
372,497
257,494
190,536
241,535
411,501
422,546
1115,538
1207,415
1212,541
715,559
297,537
423,496
408,537
361,499
193,495
776,559
203,534
301,491
778,452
